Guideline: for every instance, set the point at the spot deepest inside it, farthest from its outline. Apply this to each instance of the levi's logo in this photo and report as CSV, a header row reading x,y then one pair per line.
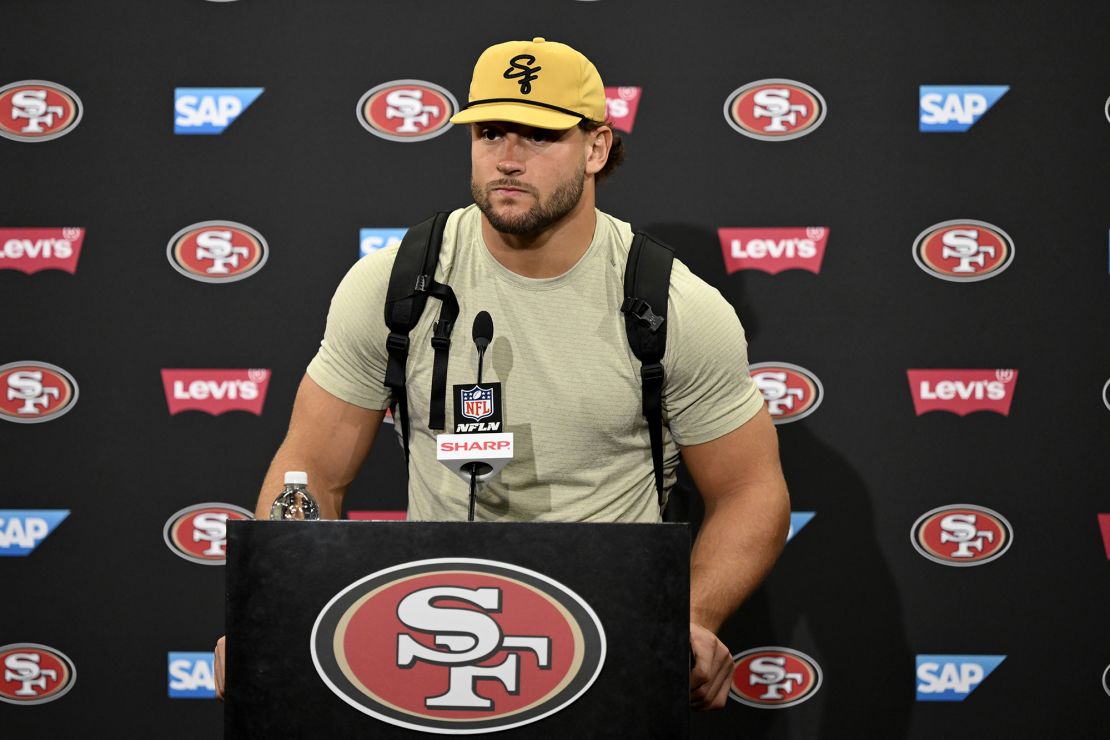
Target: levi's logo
x,y
458,645
773,250
215,391
962,392
31,250
621,103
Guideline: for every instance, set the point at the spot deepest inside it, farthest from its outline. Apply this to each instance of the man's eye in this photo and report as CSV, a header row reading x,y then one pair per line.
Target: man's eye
x,y
540,136
488,134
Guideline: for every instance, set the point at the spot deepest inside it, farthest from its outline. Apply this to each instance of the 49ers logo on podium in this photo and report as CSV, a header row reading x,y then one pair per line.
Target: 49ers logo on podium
x,y
406,110
458,646
199,533
32,392
34,674
963,251
962,535
774,677
790,391
35,110
217,251
775,109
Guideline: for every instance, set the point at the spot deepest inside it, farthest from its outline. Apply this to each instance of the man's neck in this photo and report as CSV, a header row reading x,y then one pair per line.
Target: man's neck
x,y
548,253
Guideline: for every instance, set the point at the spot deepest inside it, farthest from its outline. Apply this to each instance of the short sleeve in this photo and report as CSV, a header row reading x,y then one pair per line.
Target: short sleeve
x,y
352,358
708,391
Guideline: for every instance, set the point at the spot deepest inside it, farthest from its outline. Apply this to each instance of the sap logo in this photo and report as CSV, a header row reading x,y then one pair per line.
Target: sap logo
x,y
799,519
192,676
955,108
209,110
952,677
21,531
373,240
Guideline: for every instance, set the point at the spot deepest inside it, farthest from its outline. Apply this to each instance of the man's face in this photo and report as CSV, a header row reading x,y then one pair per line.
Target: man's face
x,y
523,178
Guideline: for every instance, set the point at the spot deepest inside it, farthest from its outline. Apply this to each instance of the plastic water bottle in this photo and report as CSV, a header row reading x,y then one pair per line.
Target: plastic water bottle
x,y
295,502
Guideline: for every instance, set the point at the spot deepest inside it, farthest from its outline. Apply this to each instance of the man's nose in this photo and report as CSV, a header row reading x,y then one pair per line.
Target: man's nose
x,y
509,162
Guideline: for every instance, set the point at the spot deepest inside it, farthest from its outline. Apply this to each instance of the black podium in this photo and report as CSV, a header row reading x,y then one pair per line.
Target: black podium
x,y
406,629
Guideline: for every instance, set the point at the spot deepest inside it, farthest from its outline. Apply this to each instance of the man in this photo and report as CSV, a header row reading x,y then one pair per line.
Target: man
x,y
548,266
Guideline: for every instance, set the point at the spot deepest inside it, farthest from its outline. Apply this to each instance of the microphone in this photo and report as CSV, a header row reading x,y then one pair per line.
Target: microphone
x,y
478,449
483,335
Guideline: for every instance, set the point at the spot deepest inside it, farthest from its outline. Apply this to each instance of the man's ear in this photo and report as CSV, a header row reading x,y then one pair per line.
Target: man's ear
x,y
598,143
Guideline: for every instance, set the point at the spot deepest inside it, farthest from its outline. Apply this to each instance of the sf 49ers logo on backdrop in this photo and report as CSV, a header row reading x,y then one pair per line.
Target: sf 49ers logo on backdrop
x,y
216,391
774,677
33,392
791,391
963,251
775,109
31,250
34,674
199,533
774,250
406,110
217,251
961,535
458,645
35,110
962,392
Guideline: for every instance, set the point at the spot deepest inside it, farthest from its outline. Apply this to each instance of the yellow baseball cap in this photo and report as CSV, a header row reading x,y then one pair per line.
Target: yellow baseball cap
x,y
536,83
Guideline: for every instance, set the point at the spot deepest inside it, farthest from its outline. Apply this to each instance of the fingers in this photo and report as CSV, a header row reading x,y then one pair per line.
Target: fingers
x,y
711,674
218,669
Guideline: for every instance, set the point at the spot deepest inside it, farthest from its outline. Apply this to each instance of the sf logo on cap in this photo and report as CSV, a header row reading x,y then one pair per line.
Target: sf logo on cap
x,y
525,73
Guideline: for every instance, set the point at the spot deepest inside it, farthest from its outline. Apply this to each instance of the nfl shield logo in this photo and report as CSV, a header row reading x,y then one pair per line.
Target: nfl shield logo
x,y
477,403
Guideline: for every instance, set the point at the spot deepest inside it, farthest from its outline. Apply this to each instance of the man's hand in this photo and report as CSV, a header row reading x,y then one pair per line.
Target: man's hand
x,y
712,672
219,668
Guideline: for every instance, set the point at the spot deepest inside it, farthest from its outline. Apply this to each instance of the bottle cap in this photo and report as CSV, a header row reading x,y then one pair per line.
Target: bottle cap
x,y
296,478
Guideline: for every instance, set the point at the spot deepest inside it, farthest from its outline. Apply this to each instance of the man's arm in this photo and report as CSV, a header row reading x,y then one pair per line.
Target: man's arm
x,y
747,516
329,439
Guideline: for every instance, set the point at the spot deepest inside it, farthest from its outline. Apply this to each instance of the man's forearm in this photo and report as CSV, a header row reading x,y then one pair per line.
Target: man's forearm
x,y
740,538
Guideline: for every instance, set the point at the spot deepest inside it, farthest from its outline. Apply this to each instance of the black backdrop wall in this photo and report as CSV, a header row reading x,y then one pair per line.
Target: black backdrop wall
x,y
850,591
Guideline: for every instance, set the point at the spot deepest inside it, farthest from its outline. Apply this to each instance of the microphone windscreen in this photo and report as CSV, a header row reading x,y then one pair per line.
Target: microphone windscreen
x,y
483,329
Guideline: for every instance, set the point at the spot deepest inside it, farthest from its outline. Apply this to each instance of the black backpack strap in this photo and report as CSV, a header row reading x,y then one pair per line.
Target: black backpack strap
x,y
647,280
410,283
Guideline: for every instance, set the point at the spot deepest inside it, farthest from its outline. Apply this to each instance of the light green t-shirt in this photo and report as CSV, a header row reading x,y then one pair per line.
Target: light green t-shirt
x,y
570,383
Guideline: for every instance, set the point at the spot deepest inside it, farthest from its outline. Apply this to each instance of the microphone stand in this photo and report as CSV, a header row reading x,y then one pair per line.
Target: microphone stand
x,y
474,466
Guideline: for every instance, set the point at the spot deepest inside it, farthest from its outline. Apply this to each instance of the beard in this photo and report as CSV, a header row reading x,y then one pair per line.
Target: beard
x,y
541,215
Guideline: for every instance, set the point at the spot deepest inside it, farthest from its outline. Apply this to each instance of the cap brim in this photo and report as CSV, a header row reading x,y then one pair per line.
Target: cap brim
x,y
522,113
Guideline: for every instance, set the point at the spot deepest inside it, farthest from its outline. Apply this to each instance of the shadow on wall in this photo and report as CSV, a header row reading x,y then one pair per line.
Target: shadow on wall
x,y
831,595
